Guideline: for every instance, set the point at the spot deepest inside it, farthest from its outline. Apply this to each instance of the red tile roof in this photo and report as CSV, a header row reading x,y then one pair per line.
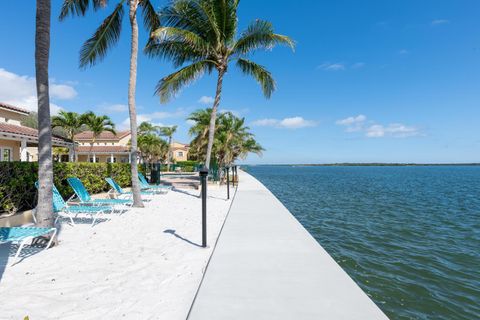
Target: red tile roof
x,y
106,135
26,131
13,108
103,149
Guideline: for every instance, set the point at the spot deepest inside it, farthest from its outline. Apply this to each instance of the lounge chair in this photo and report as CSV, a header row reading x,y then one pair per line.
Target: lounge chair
x,y
61,208
145,185
119,191
84,197
23,234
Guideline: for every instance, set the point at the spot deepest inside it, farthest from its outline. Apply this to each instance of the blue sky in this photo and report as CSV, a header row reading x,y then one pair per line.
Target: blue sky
x,y
386,81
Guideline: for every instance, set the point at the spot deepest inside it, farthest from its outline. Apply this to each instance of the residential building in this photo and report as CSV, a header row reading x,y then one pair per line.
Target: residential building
x,y
180,151
20,143
107,147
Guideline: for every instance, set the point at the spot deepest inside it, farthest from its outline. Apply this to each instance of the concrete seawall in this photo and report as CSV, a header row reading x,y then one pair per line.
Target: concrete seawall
x,y
267,266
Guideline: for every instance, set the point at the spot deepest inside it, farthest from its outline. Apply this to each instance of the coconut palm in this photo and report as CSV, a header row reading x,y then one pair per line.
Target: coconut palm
x,y
232,140
70,123
97,125
152,147
168,132
203,33
105,37
146,127
45,162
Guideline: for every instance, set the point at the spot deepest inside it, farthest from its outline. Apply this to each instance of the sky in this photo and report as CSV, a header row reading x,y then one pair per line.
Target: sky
x,y
369,81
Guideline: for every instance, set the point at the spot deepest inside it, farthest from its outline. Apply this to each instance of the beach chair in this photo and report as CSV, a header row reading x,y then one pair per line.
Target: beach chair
x,y
62,209
116,189
21,235
145,185
84,197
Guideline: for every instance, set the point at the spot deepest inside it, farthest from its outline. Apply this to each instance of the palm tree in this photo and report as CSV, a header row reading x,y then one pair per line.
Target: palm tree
x,y
97,125
107,35
71,123
152,147
169,132
232,140
45,161
204,33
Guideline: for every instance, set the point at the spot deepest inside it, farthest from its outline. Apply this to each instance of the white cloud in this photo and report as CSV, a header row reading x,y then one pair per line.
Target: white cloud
x,y
286,123
116,107
21,91
375,130
332,66
439,22
190,122
206,100
396,130
154,118
403,52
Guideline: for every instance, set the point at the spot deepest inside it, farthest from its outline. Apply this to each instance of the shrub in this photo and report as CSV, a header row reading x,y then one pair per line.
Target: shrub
x,y
17,189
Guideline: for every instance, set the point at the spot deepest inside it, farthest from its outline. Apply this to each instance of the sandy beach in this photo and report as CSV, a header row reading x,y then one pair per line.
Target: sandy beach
x,y
144,264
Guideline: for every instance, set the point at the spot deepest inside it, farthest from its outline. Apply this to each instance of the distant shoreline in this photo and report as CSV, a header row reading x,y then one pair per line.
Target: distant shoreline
x,y
368,164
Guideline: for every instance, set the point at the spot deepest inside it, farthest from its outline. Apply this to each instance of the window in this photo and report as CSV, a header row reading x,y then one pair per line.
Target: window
x,y
92,158
180,153
109,160
5,154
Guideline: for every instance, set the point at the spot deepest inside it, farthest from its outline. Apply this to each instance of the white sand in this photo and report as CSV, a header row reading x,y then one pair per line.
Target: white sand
x,y
124,268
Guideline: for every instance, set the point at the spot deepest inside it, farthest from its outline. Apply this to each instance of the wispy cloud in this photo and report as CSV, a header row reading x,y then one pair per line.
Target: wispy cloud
x,y
155,118
374,130
327,66
116,107
206,100
21,91
403,52
286,123
340,66
438,22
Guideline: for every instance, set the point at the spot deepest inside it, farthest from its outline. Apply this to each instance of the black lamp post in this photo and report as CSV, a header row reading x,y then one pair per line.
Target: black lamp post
x,y
228,182
203,179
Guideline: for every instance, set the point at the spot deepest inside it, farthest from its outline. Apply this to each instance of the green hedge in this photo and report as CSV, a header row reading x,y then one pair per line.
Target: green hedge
x,y
17,189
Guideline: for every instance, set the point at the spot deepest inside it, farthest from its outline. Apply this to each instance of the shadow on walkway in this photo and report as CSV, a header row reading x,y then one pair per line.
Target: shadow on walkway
x,y
173,232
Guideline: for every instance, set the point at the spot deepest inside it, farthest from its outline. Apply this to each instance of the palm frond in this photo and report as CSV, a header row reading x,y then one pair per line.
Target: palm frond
x,y
226,18
105,36
79,7
260,35
170,85
262,75
151,20
175,51
186,37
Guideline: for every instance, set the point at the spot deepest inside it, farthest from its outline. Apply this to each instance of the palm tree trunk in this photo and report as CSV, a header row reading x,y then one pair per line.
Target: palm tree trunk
x,y
137,198
45,162
213,118
169,152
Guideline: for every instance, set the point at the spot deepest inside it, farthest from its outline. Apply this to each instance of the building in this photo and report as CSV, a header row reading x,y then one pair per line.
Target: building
x,y
20,143
180,151
107,147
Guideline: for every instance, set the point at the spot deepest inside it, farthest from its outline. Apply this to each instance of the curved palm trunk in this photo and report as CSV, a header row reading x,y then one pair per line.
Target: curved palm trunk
x,y
213,118
137,198
45,161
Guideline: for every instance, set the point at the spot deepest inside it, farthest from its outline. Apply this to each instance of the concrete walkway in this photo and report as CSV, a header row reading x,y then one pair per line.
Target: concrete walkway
x,y
267,266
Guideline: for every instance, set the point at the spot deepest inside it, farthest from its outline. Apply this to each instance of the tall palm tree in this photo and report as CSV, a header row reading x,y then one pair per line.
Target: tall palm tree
x,y
45,161
152,147
97,125
71,123
199,130
169,132
204,34
107,35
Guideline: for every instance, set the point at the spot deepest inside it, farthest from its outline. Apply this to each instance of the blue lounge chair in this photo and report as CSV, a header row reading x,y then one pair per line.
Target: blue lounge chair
x,y
145,185
61,208
23,234
84,197
119,191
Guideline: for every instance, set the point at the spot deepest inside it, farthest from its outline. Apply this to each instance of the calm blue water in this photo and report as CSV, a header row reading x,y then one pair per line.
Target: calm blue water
x,y
409,236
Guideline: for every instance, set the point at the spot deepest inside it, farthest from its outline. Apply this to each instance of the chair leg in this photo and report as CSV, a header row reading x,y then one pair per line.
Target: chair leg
x,y
20,247
51,238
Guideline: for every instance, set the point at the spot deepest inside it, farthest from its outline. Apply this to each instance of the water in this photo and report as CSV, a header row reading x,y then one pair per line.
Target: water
x,y
409,236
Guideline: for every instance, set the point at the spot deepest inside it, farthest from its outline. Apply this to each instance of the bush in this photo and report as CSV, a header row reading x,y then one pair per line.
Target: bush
x,y
18,192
